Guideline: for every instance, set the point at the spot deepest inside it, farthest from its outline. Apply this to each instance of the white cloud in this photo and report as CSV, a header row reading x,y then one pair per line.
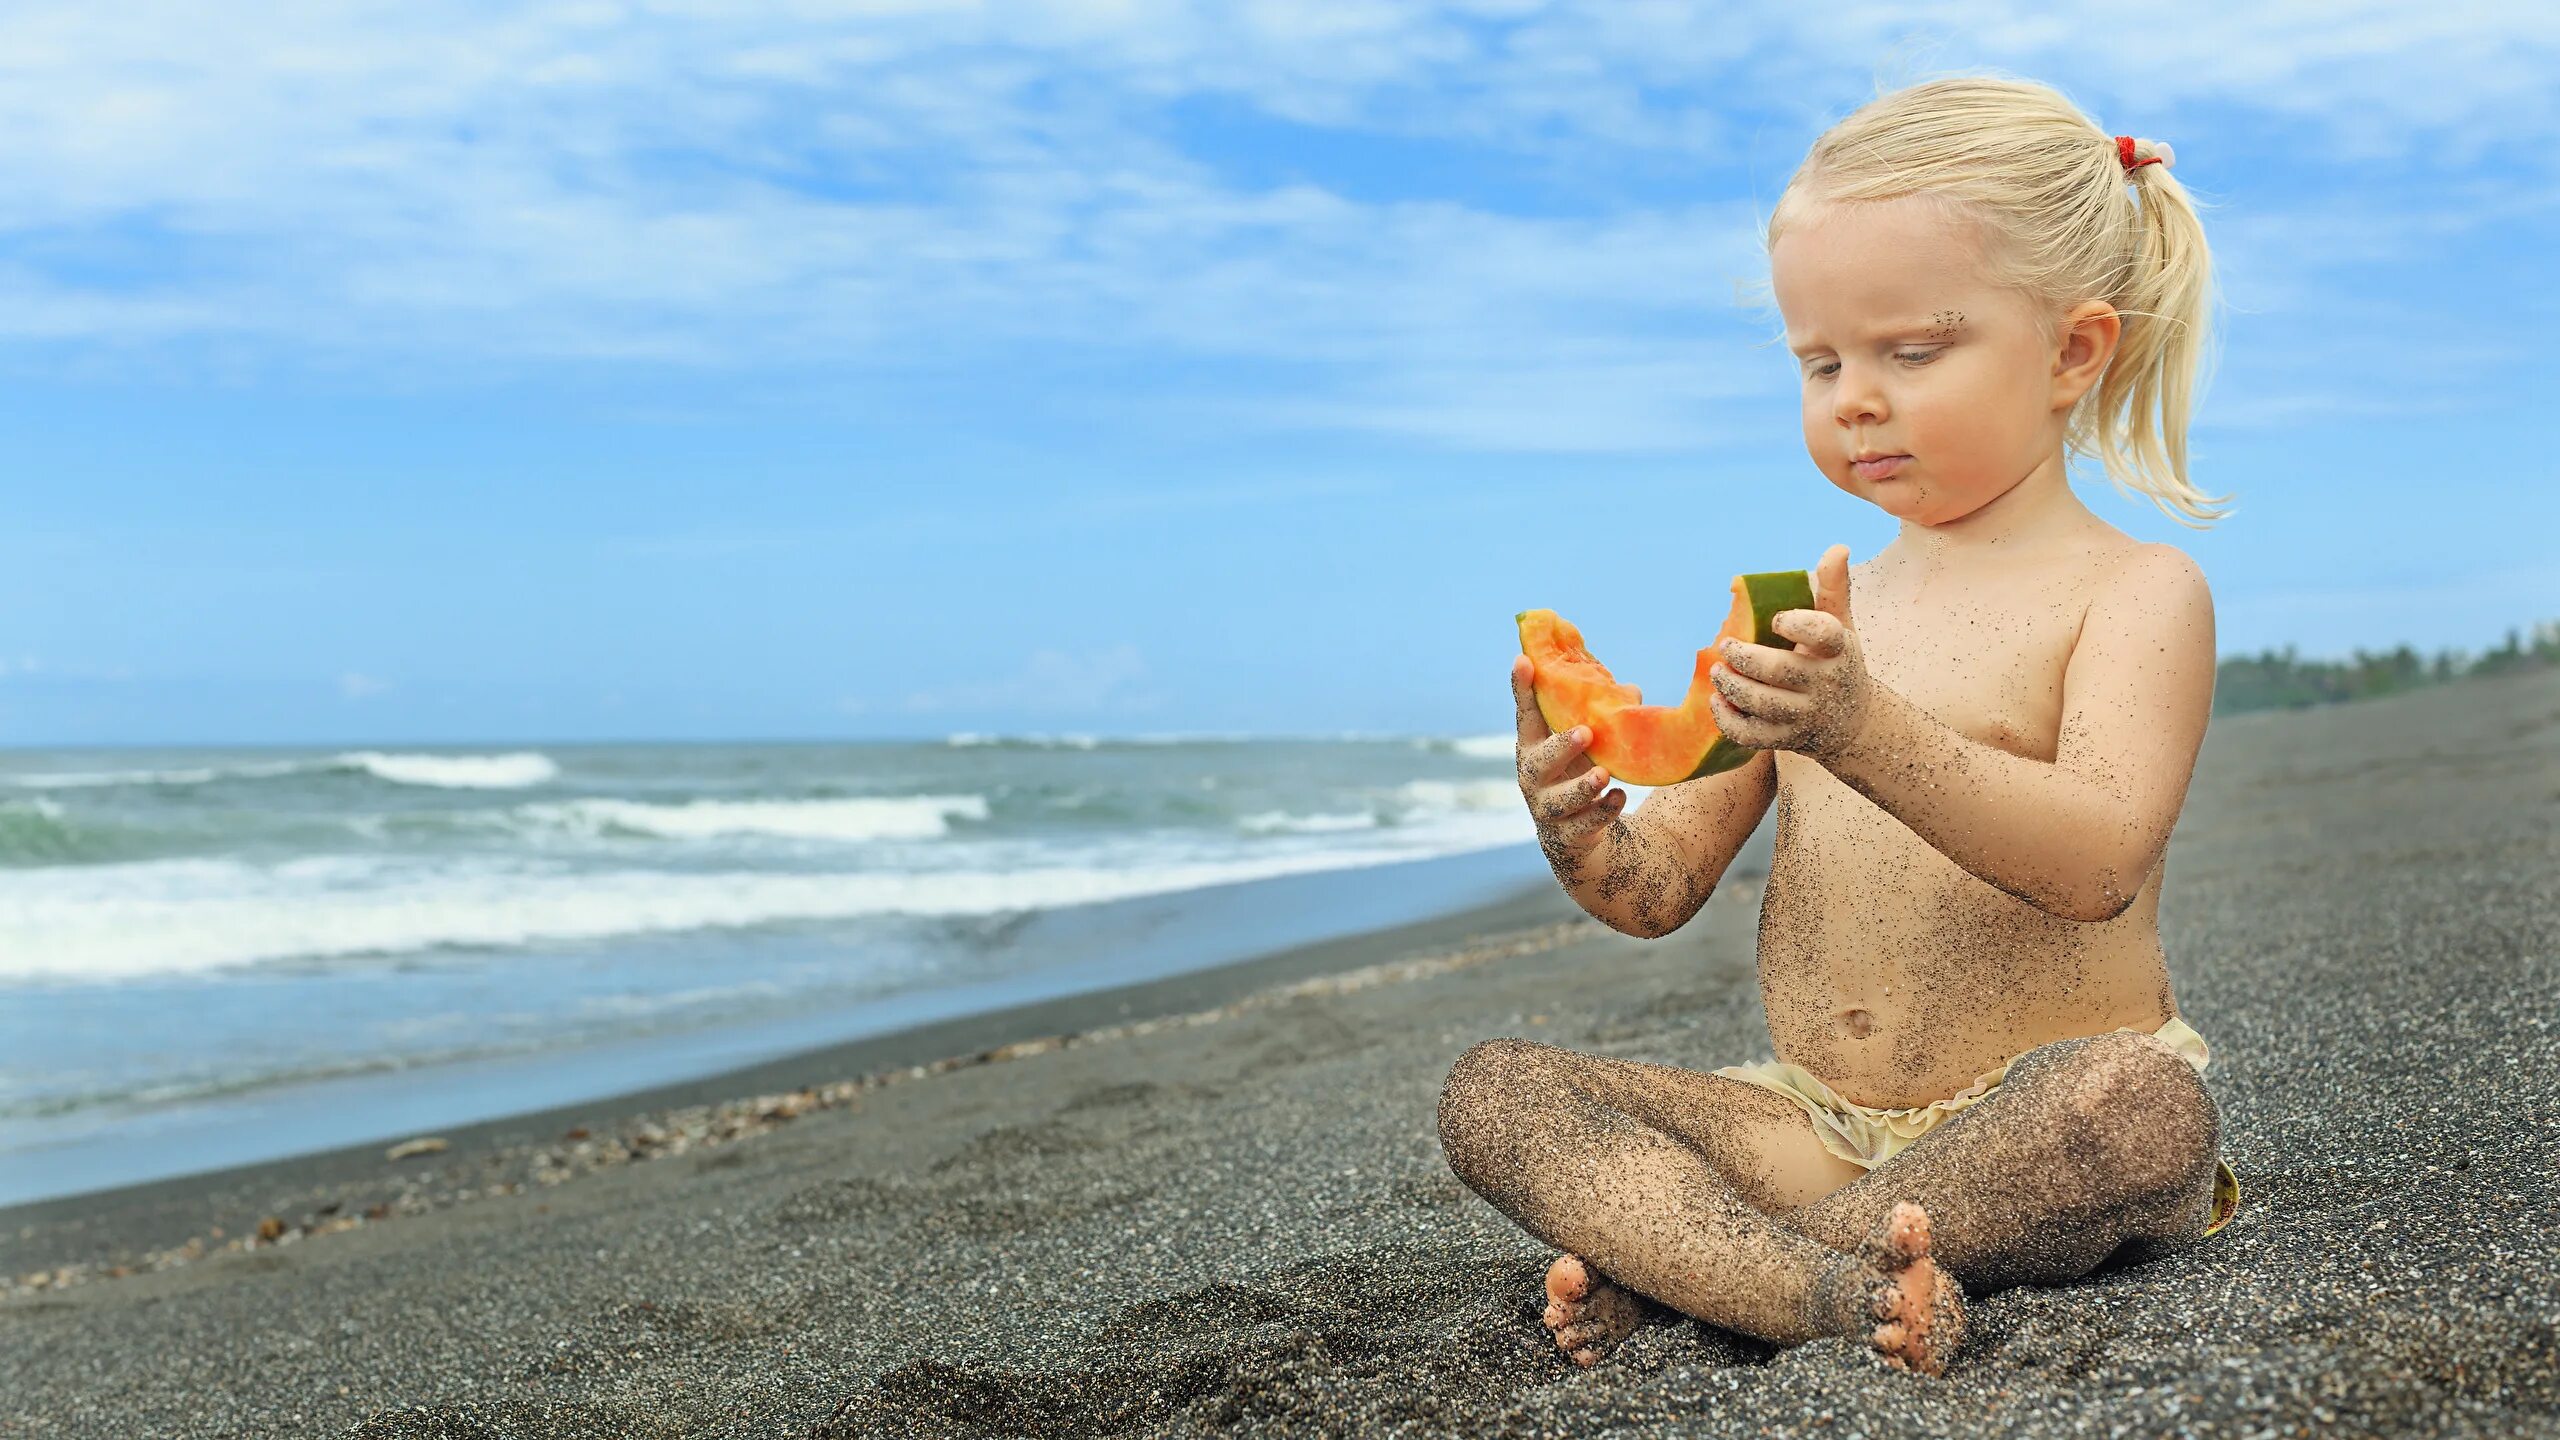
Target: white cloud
x,y
353,685
912,185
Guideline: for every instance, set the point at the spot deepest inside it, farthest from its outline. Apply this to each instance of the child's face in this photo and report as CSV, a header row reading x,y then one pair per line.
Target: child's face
x,y
1903,348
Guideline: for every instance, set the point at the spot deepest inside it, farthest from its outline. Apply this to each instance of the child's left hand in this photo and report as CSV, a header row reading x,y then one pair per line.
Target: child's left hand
x,y
1812,699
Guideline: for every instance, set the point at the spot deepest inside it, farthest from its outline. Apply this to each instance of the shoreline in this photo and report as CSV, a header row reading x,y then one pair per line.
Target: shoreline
x,y
118,1224
1247,1224
1056,951
209,961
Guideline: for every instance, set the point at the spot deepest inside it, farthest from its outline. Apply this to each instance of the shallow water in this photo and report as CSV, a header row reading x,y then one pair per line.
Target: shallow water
x,y
194,942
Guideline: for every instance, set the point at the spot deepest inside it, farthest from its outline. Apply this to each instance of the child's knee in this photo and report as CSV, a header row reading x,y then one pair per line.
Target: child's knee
x,y
2145,1111
1482,1087
1501,1064
1487,1069
2132,1069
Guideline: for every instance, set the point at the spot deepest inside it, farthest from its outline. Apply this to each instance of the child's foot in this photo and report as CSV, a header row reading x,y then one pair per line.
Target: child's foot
x,y
1895,1296
1589,1315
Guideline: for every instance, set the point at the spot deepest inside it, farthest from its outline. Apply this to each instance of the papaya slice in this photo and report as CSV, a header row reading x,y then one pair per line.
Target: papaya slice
x,y
1644,744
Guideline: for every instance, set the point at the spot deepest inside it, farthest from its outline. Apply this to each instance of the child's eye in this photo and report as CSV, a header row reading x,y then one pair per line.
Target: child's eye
x,y
1916,357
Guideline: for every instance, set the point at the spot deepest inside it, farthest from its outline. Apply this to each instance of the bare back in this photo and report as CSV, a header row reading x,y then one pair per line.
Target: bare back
x,y
1885,968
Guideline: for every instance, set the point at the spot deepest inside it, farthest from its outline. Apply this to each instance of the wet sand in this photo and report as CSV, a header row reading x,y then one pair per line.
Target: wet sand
x,y
1239,1220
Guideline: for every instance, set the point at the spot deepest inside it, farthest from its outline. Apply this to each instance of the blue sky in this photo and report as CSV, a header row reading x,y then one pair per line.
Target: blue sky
x,y
577,370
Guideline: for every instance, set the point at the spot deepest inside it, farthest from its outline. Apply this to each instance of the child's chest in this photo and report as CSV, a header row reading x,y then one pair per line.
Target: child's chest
x,y
1985,659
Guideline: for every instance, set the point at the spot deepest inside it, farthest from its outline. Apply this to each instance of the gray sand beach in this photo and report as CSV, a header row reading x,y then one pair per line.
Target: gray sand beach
x,y
1240,1221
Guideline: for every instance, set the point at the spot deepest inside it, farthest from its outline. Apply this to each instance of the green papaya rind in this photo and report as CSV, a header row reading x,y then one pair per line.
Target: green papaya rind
x,y
1769,593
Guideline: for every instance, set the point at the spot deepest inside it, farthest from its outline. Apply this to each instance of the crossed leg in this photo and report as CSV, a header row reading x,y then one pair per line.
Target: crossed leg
x,y
2088,1145
1713,1196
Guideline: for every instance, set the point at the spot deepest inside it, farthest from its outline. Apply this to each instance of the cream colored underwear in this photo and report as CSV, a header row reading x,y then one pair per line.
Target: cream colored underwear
x,y
1867,1136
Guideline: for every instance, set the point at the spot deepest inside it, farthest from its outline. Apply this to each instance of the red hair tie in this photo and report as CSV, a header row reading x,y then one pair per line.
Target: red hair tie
x,y
2124,154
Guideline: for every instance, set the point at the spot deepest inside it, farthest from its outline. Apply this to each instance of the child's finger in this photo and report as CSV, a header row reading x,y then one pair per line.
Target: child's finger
x,y
1831,583
1757,699
1782,668
1742,729
1562,799
1763,702
1554,757
1592,820
1818,631
1524,698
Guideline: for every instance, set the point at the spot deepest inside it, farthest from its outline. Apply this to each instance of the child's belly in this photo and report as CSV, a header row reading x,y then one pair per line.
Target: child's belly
x,y
1899,978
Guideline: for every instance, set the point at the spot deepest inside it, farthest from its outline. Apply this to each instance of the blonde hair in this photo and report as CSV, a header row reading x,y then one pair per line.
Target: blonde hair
x,y
2064,222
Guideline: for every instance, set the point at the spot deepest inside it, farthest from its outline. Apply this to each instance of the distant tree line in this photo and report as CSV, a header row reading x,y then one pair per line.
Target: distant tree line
x,y
2280,680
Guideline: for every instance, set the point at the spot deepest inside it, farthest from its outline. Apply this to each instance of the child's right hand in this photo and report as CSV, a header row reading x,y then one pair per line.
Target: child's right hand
x,y
1563,788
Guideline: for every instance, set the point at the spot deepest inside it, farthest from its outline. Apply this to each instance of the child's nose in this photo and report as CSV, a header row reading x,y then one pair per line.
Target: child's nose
x,y
1858,404
1858,395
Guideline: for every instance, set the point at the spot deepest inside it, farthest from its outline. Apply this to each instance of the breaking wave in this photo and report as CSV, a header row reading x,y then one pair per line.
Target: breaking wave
x,y
902,817
111,922
514,771
453,772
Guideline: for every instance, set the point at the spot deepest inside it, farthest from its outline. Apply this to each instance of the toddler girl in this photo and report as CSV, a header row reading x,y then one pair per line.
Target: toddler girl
x,y
1982,1078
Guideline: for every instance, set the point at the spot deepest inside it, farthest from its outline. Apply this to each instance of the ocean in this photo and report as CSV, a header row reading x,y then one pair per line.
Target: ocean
x,y
209,957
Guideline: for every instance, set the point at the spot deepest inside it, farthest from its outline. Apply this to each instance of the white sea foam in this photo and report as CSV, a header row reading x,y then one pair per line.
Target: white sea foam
x,y
899,817
1281,822
1460,795
515,771
108,922
1469,747
460,772
964,739
91,779
1474,807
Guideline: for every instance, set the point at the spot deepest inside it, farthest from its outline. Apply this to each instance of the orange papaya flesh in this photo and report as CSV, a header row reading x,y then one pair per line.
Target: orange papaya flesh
x,y
1653,745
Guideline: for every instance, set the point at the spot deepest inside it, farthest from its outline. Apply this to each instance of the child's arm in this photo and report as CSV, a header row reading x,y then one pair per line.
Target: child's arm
x,y
2076,836
1659,864
1643,874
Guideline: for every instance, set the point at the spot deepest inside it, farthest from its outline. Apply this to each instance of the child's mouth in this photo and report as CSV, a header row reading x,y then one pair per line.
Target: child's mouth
x,y
1879,469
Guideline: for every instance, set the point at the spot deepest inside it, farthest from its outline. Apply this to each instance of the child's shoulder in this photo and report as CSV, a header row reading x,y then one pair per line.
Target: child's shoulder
x,y
2148,575
2144,599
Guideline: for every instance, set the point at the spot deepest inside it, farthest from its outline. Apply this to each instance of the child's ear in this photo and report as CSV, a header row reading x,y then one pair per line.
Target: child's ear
x,y
2090,333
